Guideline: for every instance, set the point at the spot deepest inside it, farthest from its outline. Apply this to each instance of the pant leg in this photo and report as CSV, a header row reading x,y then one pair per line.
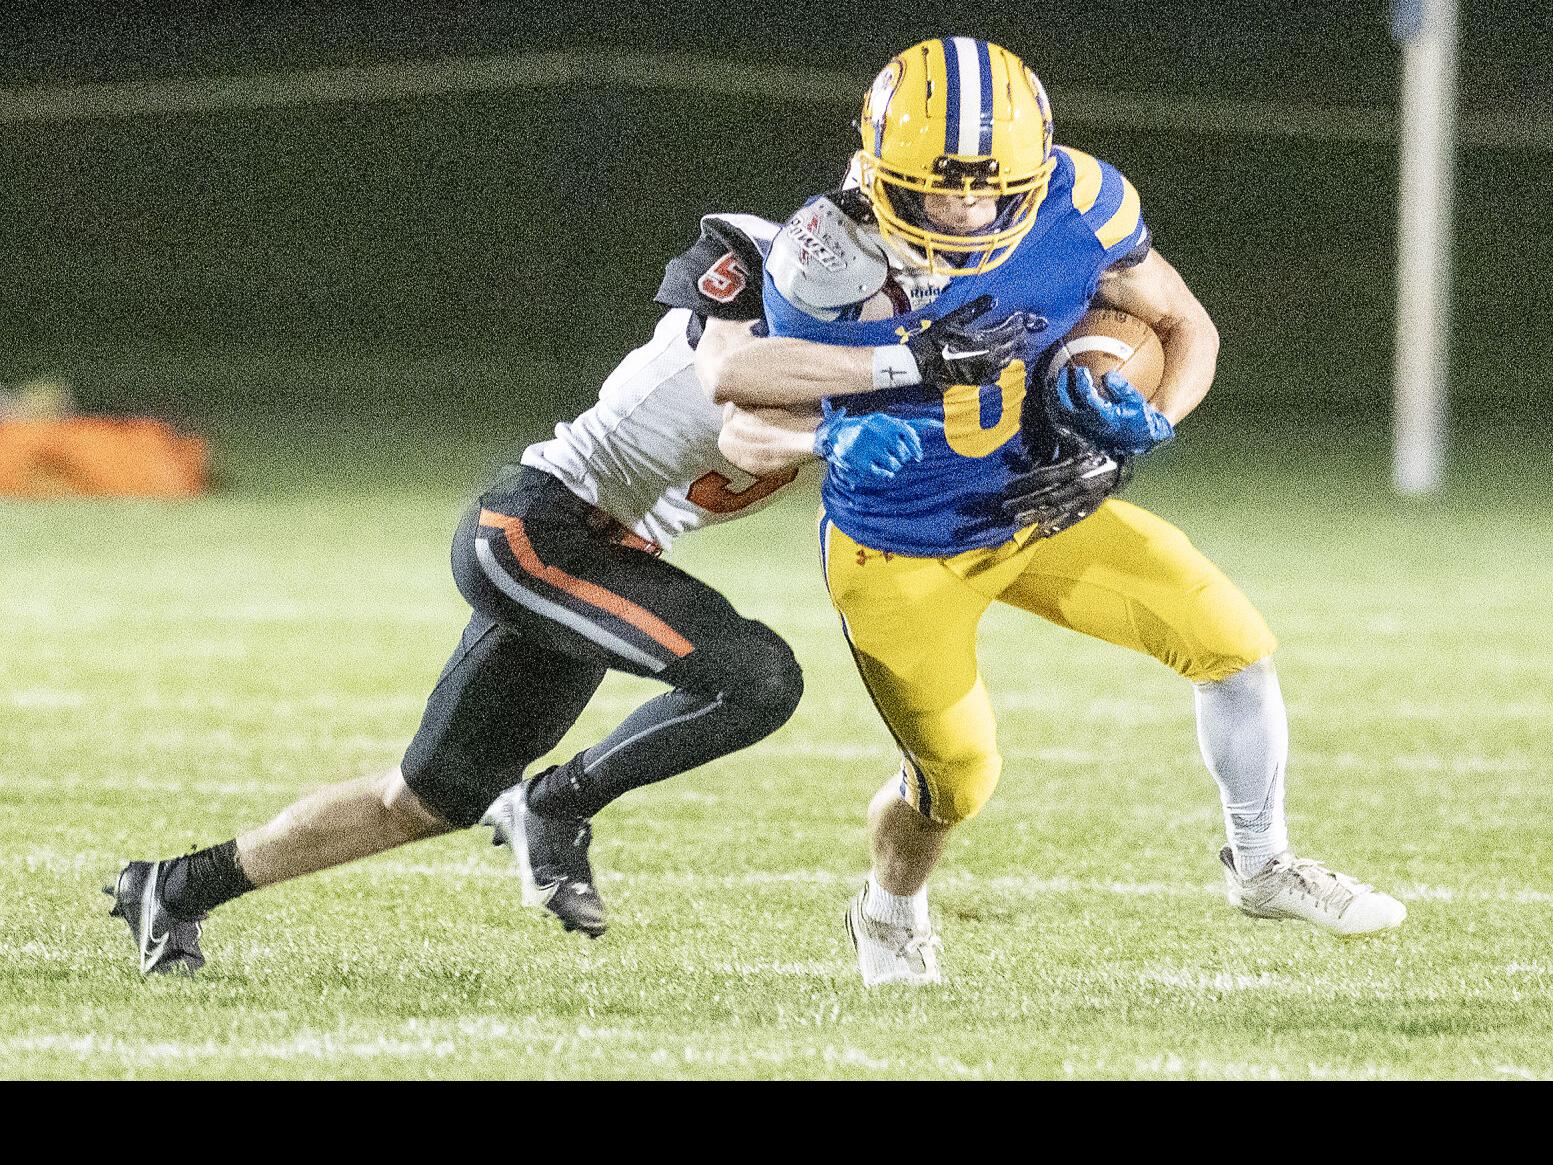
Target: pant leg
x,y
911,624
1131,578
502,701
536,559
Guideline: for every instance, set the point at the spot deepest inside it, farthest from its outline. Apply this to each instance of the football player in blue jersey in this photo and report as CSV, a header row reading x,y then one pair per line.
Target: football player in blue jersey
x,y
976,243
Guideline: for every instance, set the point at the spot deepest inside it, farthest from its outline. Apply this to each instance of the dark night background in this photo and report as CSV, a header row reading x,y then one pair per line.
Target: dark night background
x,y
494,254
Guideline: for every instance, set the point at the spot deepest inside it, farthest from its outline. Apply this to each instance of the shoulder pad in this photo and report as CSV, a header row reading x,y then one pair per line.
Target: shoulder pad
x,y
824,259
740,232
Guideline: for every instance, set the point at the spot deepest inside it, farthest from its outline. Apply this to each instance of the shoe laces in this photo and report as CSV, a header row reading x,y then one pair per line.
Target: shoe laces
x,y
1324,885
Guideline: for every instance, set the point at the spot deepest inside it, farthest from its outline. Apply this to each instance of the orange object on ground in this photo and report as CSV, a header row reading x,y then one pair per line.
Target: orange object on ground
x,y
100,456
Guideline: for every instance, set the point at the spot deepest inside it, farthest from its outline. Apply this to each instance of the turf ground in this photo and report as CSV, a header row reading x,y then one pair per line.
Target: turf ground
x,y
172,674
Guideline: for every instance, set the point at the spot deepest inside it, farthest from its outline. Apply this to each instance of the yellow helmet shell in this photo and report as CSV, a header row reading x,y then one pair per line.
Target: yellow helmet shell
x,y
956,116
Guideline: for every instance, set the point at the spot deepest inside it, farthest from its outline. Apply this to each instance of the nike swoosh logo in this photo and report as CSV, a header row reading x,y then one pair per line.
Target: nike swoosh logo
x,y
151,947
952,354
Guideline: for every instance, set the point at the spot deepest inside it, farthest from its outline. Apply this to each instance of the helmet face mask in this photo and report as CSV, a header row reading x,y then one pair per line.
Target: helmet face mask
x,y
955,117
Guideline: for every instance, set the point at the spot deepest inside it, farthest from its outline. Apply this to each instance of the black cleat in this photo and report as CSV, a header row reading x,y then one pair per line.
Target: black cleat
x,y
552,858
168,944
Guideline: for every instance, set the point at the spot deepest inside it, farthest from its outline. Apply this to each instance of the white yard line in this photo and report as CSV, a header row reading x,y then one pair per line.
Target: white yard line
x,y
1215,983
482,864
1516,1071
713,77
317,1047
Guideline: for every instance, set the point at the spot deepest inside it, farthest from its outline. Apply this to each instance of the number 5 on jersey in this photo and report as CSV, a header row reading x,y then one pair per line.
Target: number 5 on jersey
x,y
724,280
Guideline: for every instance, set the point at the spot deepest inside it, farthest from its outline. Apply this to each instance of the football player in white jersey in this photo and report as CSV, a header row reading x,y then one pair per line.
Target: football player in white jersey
x,y
560,562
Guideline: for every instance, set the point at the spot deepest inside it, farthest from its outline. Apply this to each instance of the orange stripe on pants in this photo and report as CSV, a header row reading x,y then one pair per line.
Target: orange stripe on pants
x,y
591,593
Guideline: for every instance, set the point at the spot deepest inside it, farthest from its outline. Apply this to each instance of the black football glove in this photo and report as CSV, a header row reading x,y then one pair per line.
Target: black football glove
x,y
1062,484
1056,496
950,350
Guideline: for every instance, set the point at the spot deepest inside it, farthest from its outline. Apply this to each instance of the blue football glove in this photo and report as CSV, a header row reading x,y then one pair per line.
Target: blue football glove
x,y
1112,414
871,448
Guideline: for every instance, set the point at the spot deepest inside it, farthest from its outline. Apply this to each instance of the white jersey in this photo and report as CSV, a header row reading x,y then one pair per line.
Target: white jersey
x,y
647,453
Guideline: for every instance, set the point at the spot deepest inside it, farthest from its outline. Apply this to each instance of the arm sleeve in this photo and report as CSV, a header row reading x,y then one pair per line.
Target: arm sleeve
x,y
721,276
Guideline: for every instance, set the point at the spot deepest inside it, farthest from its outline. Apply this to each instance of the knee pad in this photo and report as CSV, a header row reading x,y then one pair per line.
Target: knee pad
x,y
752,668
954,789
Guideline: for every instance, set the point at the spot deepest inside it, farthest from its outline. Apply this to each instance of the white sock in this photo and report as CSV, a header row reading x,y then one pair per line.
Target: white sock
x,y
894,910
1243,731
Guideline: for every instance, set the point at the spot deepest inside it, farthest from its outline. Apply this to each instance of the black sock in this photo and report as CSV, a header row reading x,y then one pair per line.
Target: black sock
x,y
559,792
195,883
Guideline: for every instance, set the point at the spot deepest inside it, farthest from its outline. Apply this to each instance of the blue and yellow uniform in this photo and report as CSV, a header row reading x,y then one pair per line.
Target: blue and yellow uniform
x,y
911,564
1089,221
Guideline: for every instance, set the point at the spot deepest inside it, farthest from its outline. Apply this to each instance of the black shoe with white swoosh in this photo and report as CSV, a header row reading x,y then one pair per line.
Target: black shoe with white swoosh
x,y
552,859
168,944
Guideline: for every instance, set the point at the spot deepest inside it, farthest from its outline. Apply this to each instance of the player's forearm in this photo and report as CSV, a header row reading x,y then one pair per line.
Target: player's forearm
x,y
1191,344
766,441
1154,291
777,372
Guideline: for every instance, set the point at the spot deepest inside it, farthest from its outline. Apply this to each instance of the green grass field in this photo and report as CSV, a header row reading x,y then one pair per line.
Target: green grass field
x,y
172,674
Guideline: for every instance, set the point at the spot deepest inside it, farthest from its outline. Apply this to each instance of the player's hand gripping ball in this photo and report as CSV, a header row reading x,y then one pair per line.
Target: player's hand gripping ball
x,y
1113,414
1101,379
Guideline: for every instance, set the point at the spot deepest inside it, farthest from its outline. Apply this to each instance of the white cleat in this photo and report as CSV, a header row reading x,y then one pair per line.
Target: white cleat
x,y
892,954
1291,887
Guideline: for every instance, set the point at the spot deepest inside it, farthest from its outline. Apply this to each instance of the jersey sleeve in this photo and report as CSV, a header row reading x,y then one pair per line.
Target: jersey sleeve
x,y
723,274
1111,209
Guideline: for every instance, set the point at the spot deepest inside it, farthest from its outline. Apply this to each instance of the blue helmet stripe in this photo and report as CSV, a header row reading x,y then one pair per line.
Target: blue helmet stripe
x,y
951,99
984,65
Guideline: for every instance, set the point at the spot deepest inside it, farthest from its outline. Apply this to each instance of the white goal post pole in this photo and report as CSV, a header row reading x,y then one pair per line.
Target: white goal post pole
x,y
1427,32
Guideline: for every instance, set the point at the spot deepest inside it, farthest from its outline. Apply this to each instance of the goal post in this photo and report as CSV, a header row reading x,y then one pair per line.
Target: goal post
x,y
1426,30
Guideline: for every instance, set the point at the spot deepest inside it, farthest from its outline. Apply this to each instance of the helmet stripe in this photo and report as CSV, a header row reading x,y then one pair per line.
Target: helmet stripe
x,y
951,98
965,118
984,72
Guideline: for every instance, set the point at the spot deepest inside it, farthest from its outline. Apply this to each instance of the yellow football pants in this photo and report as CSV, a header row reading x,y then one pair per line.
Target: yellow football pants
x,y
1122,575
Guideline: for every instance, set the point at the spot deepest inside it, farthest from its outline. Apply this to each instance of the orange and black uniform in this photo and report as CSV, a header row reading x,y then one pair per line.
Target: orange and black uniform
x,y
561,593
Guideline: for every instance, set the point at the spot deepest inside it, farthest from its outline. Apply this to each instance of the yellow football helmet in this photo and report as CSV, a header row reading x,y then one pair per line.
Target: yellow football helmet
x,y
956,116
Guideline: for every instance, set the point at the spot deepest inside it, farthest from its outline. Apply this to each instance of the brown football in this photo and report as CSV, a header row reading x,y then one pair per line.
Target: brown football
x,y
1107,340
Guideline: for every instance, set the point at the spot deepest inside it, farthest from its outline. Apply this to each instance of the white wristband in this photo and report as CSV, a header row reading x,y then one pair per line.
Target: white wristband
x,y
895,367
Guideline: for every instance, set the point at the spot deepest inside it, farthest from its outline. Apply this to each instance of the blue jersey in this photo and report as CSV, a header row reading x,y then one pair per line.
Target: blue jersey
x,y
948,502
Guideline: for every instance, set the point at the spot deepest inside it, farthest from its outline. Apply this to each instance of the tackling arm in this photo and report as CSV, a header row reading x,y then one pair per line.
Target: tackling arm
x,y
766,441
736,366
1155,292
871,447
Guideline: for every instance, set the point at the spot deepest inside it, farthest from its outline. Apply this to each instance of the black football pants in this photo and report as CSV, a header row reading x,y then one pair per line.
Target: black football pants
x,y
558,599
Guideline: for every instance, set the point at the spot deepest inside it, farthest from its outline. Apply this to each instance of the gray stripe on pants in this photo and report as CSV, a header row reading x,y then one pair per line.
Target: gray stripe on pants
x,y
554,611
